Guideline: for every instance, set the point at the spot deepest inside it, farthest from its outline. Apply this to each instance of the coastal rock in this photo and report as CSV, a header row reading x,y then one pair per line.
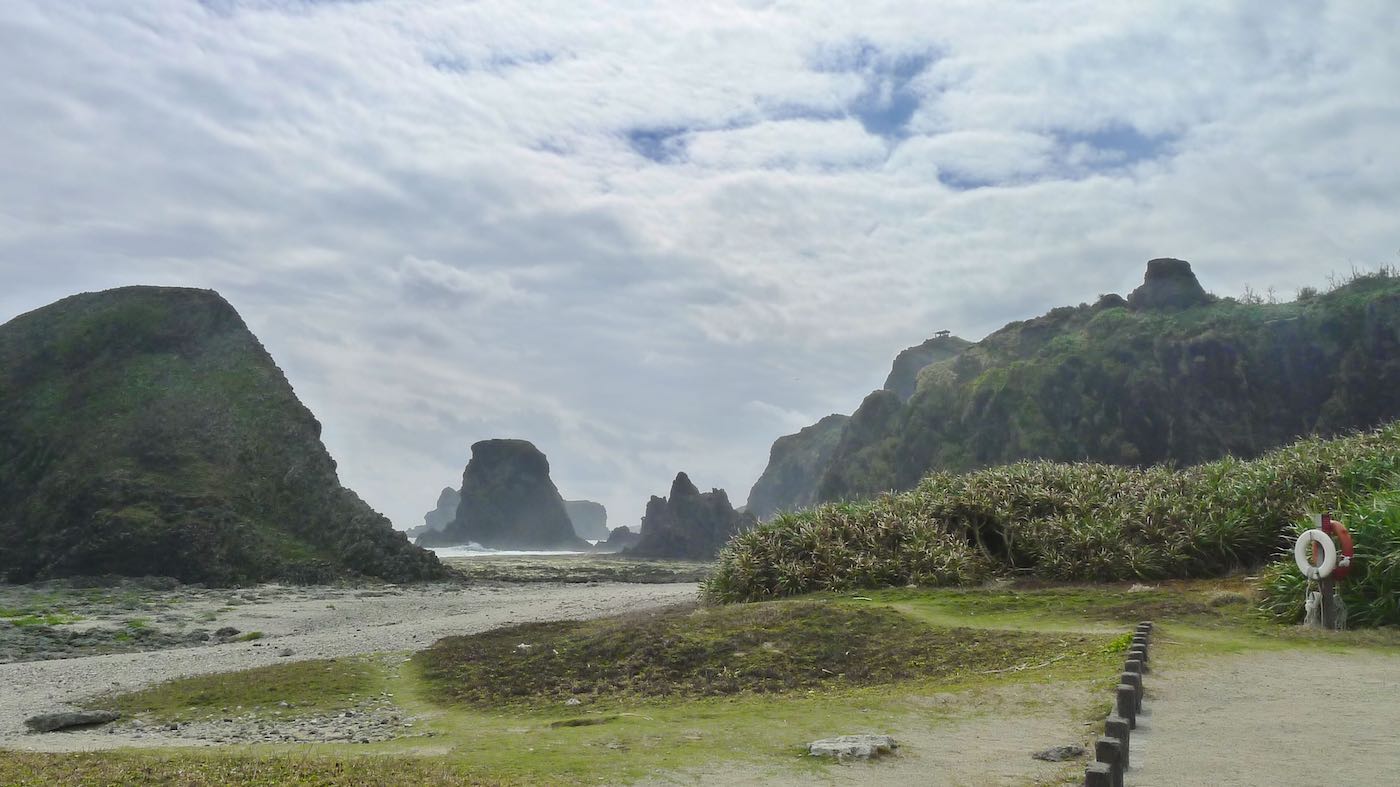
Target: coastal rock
x,y
1168,284
689,525
795,465
853,747
438,519
508,502
50,722
590,519
619,539
146,431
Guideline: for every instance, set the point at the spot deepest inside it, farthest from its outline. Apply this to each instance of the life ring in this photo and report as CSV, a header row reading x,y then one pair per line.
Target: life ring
x,y
1345,550
1302,552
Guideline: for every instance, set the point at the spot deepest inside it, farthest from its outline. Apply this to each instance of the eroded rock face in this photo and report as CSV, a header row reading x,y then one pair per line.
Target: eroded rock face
x,y
795,466
590,519
689,525
146,431
1168,284
508,502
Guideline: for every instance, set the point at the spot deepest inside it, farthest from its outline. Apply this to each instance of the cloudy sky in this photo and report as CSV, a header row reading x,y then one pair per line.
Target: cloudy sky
x,y
654,236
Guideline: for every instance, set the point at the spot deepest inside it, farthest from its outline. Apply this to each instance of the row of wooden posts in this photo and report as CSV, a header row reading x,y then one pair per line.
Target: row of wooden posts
x,y
1111,750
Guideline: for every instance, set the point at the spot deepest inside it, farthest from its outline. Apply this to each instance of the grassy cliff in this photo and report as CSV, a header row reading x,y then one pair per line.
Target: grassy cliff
x,y
145,430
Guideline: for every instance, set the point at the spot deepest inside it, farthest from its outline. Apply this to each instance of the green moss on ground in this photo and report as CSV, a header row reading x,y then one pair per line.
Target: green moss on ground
x,y
764,648
308,687
191,769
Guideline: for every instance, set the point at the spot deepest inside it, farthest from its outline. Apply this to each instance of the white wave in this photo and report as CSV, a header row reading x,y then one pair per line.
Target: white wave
x,y
477,550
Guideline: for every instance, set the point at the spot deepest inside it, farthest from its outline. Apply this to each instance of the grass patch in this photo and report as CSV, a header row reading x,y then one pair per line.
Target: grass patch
x,y
307,686
24,769
723,651
43,619
250,636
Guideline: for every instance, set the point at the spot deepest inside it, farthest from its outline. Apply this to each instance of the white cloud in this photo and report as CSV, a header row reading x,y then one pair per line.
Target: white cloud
x,y
650,235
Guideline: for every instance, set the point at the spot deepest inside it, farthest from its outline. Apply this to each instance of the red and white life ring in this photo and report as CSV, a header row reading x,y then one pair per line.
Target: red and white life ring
x,y
1303,550
1346,550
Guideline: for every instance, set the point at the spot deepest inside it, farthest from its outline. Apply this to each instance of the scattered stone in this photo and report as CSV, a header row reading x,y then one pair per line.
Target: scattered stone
x,y
227,632
284,652
1060,753
853,747
49,722
573,701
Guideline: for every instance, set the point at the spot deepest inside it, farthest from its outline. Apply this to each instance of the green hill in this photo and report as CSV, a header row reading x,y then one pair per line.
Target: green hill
x,y
146,431
1169,375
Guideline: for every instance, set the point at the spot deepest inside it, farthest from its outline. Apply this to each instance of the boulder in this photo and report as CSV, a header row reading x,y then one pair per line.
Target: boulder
x,y
853,747
1060,753
62,720
689,525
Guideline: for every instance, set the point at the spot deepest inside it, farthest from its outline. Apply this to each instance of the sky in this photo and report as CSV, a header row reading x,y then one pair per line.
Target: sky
x,y
654,236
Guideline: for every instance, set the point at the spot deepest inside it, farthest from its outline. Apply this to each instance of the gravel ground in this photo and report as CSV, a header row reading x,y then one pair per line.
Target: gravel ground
x,y
311,623
1291,717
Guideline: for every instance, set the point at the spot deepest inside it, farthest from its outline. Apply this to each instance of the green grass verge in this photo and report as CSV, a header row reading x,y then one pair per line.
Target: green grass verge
x,y
26,769
306,686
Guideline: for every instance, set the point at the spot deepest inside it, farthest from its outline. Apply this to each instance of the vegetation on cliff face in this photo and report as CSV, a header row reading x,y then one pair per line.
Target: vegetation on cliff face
x,y
795,465
508,502
1170,375
1060,522
146,431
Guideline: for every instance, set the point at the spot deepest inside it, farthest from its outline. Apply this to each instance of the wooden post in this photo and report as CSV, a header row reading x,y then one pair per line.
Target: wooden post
x,y
1098,775
1110,752
1135,680
1117,727
1125,698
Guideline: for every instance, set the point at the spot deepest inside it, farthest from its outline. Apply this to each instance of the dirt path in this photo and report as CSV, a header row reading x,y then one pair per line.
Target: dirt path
x,y
350,623
1258,719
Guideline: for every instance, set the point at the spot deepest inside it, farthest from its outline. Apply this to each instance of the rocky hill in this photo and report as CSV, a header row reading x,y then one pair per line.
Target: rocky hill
x,y
145,431
689,525
1168,375
508,502
590,519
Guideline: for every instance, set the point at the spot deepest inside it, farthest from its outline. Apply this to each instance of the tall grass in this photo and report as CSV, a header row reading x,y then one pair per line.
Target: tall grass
x,y
1058,521
1371,591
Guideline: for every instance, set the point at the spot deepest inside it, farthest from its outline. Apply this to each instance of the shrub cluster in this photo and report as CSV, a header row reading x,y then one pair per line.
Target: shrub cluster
x,y
1058,521
1371,591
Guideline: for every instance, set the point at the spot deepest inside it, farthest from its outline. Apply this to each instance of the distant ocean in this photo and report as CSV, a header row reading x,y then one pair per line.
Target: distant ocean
x,y
476,550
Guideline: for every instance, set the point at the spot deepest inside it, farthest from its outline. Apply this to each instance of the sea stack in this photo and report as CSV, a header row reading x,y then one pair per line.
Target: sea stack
x,y
508,502
689,525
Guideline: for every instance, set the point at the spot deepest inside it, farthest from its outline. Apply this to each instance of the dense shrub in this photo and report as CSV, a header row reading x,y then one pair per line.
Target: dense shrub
x,y
1371,591
1058,521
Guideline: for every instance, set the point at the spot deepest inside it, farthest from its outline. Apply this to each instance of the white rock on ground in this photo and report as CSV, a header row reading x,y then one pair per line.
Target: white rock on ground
x,y
853,747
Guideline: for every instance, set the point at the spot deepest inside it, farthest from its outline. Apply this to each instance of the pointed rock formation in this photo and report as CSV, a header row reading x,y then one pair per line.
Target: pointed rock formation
x,y
689,525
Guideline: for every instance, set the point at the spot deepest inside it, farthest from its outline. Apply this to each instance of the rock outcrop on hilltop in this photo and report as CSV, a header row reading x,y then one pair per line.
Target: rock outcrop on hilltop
x,y
438,519
689,525
795,466
1169,375
145,431
590,519
508,502
903,379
